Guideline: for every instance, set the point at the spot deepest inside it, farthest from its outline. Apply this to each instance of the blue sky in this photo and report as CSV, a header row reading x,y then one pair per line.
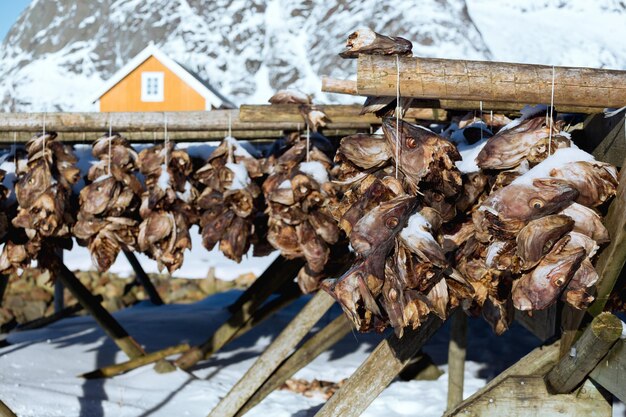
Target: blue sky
x,y
9,12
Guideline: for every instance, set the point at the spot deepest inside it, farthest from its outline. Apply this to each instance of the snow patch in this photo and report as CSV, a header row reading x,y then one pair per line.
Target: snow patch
x,y
315,169
241,179
558,159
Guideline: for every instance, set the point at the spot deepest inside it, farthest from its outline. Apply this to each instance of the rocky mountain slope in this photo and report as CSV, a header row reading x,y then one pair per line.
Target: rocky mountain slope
x,y
59,51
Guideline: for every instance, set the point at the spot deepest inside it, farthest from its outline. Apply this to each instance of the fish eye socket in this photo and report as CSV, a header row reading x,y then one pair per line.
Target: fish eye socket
x,y
411,143
537,203
392,222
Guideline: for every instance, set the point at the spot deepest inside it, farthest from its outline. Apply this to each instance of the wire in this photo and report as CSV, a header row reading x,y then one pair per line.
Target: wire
x,y
551,114
397,113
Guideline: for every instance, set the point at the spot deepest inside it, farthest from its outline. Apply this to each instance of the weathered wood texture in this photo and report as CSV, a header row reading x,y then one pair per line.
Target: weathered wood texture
x,y
275,353
215,120
586,353
144,279
278,273
605,137
104,319
305,354
611,372
542,323
490,81
612,258
457,351
379,369
527,396
334,85
5,411
536,363
120,368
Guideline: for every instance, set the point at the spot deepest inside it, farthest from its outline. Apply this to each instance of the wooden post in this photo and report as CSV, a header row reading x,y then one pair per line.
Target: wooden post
x,y
494,81
275,353
378,370
611,372
592,346
456,358
311,349
117,369
252,298
144,279
106,321
5,411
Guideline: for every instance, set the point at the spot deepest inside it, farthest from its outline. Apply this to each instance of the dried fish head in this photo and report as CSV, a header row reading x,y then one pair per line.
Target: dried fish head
x,y
366,41
537,238
595,181
364,150
587,221
235,243
284,238
579,292
97,196
314,249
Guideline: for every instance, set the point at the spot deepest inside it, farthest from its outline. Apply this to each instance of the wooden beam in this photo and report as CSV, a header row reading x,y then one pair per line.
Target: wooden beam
x,y
104,319
456,358
447,79
118,369
143,279
276,275
305,354
290,113
379,369
612,258
527,396
586,353
5,411
273,356
611,372
537,362
203,121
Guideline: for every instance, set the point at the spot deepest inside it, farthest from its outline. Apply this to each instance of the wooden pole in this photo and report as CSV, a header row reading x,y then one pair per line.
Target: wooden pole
x,y
311,349
586,353
117,369
275,353
144,279
104,319
5,411
456,358
449,79
271,279
378,370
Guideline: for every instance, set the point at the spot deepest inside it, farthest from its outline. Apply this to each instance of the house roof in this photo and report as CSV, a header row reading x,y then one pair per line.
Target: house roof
x,y
212,96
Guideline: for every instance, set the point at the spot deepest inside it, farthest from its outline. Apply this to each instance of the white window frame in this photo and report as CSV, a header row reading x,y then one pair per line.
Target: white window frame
x,y
150,75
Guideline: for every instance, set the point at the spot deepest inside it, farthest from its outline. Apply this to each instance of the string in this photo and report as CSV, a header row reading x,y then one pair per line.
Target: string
x,y
110,140
15,149
308,141
230,124
43,147
481,120
551,114
397,112
231,157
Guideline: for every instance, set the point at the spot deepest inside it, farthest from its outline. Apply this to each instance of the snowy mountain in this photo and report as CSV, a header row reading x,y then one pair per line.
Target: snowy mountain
x,y
60,51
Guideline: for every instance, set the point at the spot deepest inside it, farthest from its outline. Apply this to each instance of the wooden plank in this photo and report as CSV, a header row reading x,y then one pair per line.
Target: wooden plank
x,y
593,345
104,319
527,396
214,120
143,279
379,369
117,369
5,411
447,79
611,372
537,362
271,358
612,258
456,358
310,349
542,323
276,275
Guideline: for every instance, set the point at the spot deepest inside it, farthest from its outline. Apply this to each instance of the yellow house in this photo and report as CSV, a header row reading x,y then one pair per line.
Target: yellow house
x,y
152,81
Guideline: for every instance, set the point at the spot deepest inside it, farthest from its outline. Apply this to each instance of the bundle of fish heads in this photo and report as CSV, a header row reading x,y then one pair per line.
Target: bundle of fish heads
x,y
166,207
108,217
43,189
394,218
229,204
299,192
532,238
